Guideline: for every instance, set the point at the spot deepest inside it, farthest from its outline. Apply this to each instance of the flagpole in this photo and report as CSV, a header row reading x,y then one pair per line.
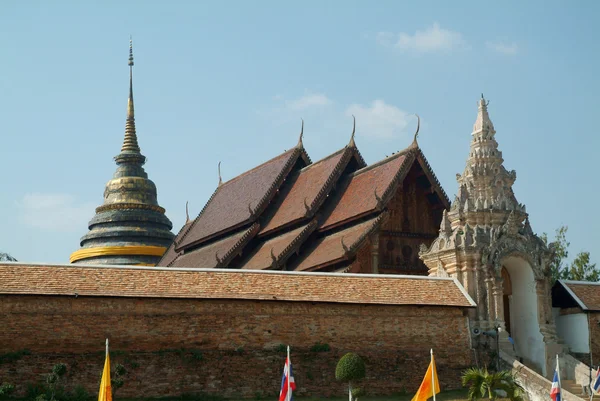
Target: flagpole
x,y
432,375
289,374
558,375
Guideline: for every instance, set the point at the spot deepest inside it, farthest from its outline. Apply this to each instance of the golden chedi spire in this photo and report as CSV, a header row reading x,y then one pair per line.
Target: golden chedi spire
x,y
130,228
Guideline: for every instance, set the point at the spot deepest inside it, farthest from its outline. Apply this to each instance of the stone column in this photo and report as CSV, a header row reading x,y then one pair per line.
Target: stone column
x,y
375,253
491,298
479,299
498,297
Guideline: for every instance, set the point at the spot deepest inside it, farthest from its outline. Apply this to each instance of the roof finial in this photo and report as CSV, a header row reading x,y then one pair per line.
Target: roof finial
x,y
219,169
417,131
130,151
483,102
352,144
187,213
300,144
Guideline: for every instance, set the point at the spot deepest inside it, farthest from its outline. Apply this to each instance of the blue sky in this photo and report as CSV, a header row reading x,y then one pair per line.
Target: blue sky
x,y
230,80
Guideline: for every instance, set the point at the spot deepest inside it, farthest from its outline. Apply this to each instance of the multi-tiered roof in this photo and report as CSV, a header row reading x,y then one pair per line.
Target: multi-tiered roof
x,y
292,214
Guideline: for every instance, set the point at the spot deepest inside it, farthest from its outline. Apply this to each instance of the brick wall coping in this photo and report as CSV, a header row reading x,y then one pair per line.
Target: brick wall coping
x,y
163,282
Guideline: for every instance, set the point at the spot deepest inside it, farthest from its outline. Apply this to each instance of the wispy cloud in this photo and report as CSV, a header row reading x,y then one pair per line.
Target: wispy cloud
x,y
509,49
431,40
308,101
55,212
379,119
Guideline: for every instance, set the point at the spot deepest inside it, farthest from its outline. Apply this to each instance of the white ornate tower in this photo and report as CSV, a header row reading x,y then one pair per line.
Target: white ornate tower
x,y
486,242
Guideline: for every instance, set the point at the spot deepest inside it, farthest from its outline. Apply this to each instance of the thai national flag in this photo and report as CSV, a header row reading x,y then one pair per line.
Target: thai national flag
x,y
555,390
288,378
596,383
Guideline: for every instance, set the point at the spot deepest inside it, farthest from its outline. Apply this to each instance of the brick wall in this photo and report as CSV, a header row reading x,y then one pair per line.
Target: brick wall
x,y
237,340
594,327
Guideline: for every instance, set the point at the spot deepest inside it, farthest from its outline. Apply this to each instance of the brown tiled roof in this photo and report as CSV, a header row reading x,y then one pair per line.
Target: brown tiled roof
x,y
586,294
241,199
310,187
278,248
171,253
339,246
365,186
154,282
219,253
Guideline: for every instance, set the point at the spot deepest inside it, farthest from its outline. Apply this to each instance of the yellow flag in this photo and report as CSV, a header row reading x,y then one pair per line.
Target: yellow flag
x,y
426,389
105,393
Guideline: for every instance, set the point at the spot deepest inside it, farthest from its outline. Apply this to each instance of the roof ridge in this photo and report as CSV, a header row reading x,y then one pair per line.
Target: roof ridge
x,y
344,160
196,219
400,173
298,240
377,221
250,232
382,161
322,160
257,167
430,172
264,201
361,160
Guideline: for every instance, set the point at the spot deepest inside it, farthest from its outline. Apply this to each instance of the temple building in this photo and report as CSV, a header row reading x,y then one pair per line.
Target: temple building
x,y
334,215
129,228
485,241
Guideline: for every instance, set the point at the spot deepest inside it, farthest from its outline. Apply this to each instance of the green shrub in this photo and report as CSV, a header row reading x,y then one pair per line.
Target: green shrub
x,y
318,347
350,368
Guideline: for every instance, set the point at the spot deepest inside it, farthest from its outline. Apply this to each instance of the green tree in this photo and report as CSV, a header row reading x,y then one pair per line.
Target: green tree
x,y
580,268
481,383
350,369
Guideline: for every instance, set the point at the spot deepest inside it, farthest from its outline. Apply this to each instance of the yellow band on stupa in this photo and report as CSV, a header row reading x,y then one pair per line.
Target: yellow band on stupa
x,y
145,250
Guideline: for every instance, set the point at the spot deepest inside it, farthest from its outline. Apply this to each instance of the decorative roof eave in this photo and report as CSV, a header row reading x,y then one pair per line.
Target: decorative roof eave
x,y
187,229
239,246
351,250
331,180
223,261
432,177
296,243
256,211
326,188
398,178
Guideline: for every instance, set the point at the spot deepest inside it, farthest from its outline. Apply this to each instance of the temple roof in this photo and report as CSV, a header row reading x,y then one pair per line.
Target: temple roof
x,y
129,227
366,190
303,210
216,254
242,199
310,187
338,247
584,294
153,282
274,252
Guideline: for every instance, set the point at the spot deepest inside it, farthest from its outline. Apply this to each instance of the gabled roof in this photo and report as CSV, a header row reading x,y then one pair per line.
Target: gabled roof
x,y
339,246
156,282
366,190
310,188
242,199
274,252
585,294
219,253
170,254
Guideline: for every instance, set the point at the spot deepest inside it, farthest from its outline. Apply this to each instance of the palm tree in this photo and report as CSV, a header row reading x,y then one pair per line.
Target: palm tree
x,y
481,383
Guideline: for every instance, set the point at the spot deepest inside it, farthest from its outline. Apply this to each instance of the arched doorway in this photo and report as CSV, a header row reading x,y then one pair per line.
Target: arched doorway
x,y
521,313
